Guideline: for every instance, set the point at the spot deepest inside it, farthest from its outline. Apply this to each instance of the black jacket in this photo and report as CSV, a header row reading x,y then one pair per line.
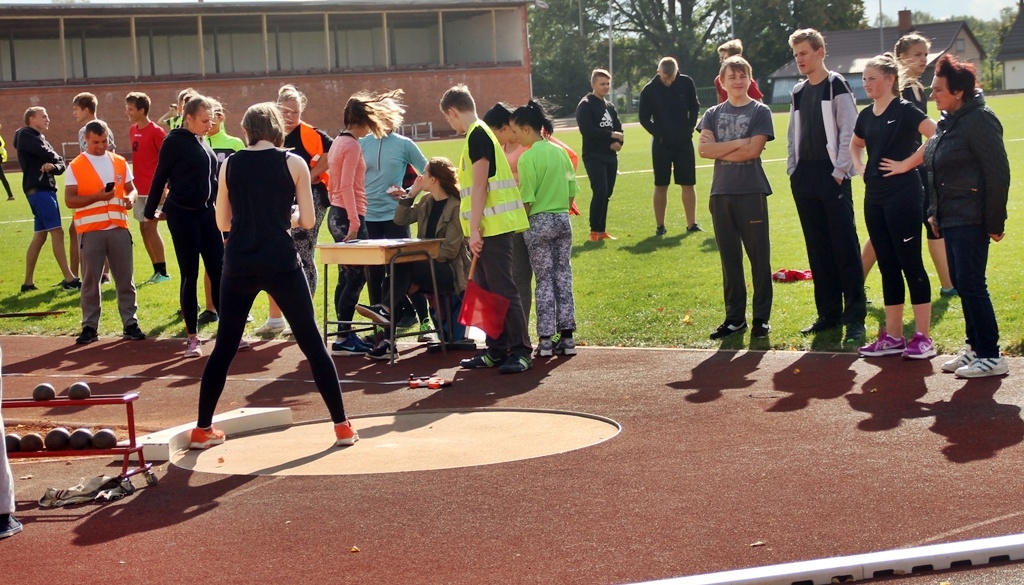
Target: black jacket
x,y
191,167
669,113
597,119
968,172
33,152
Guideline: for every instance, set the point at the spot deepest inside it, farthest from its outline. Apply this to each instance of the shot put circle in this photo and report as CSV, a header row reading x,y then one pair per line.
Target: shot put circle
x,y
57,439
405,441
79,391
31,443
44,391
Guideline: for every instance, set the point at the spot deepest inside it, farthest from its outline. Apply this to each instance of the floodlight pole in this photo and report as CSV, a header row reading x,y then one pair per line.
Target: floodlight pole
x,y
732,22
881,30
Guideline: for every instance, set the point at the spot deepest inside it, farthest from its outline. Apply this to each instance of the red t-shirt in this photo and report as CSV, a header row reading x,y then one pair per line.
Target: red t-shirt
x,y
753,91
146,144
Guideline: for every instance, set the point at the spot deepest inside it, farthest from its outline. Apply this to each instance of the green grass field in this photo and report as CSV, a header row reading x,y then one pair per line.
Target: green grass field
x,y
637,291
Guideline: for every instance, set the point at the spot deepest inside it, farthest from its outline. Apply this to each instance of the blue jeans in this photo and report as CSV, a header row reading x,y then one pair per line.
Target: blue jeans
x,y
967,251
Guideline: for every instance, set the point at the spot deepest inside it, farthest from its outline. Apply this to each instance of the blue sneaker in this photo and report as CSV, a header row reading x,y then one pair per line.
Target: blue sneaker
x,y
350,346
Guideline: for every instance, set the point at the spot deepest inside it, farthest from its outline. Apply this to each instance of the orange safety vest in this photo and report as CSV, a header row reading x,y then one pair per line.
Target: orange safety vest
x,y
102,214
314,145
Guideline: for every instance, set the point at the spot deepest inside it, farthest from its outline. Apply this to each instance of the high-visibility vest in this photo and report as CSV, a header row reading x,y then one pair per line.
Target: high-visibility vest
x,y
102,214
314,145
504,211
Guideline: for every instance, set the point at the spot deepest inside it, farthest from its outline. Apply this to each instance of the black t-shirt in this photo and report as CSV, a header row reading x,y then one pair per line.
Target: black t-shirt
x,y
294,141
813,142
892,135
481,146
436,209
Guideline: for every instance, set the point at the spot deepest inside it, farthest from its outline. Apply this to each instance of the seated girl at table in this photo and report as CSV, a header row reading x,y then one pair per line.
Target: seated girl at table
x,y
436,216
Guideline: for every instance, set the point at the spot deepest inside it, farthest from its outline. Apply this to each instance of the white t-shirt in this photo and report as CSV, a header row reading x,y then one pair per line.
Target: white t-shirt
x,y
104,168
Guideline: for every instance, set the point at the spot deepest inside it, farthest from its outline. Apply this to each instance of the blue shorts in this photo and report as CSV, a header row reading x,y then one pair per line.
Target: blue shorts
x,y
45,210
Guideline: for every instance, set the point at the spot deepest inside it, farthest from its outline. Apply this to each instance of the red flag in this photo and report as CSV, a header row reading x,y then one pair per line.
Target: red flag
x,y
482,309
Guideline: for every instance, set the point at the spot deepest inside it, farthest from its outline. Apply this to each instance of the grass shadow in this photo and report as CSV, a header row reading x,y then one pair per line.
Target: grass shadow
x,y
652,243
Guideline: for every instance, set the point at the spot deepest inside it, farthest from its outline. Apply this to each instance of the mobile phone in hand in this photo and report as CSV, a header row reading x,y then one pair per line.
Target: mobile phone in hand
x,y
109,186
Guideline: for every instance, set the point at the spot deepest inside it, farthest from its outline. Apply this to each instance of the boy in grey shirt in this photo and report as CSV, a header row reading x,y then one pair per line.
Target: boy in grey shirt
x,y
734,134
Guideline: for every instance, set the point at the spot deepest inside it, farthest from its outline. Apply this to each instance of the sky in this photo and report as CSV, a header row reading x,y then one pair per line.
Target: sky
x,y
940,9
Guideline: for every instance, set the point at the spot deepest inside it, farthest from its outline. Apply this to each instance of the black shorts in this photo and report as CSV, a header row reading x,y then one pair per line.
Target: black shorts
x,y
679,156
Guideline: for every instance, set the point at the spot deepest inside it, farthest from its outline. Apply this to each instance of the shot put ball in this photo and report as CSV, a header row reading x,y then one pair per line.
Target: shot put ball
x,y
80,439
31,442
79,391
104,439
44,391
13,442
57,439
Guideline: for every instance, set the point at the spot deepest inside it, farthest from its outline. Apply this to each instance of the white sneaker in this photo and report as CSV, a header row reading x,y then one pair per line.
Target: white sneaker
x,y
193,347
271,326
984,367
963,358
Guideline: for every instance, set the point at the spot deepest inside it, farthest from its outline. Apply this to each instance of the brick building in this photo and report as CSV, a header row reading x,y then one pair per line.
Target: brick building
x,y
241,52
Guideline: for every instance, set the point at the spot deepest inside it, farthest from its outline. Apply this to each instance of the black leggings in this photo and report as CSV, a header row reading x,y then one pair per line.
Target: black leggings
x,y
195,235
7,186
291,292
895,230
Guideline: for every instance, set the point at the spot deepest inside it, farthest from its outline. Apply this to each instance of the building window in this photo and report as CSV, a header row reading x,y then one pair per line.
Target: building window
x,y
959,45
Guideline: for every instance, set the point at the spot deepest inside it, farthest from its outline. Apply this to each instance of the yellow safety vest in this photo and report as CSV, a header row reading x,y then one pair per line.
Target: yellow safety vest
x,y
102,214
504,211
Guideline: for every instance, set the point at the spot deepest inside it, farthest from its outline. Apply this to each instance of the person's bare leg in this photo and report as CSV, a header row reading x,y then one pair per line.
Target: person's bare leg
x,y
273,311
35,245
937,249
153,241
57,239
73,262
867,257
923,318
689,195
660,203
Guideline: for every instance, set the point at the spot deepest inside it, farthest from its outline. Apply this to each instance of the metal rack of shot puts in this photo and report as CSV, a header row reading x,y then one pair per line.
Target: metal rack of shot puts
x,y
133,447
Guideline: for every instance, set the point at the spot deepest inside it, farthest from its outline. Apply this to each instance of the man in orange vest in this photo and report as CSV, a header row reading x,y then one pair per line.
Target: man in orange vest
x,y
99,187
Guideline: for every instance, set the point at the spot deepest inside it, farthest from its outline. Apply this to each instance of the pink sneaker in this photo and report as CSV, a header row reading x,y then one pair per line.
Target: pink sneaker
x,y
885,345
919,348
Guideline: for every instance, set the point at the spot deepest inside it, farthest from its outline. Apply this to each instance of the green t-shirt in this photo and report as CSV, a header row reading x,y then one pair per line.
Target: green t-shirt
x,y
546,178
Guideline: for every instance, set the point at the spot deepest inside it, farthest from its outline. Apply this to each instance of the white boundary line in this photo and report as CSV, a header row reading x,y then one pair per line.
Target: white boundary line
x,y
867,566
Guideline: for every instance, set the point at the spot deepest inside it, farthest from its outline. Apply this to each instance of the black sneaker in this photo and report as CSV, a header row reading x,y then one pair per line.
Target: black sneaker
x,y
855,333
661,231
207,317
480,360
408,321
383,351
105,279
88,335
726,329
376,313
75,284
694,229
515,364
818,326
133,333
28,288
761,329
9,526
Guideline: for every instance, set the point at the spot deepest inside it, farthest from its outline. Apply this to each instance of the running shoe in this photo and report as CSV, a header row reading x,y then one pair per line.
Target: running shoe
x,y
9,526
480,360
105,279
207,317
961,359
984,367
243,345
515,364
727,329
376,313
133,332
193,347
546,348
948,292
694,229
206,438
920,347
761,329
271,326
157,278
885,345
426,335
344,434
88,335
383,351
28,288
661,231
606,236
566,346
74,284
351,345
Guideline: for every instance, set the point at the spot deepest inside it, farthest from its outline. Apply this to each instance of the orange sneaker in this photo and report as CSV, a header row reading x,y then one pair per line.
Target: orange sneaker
x,y
206,438
606,236
595,236
345,434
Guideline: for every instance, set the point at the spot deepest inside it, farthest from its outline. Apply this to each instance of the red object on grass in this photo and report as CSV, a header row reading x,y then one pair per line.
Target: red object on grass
x,y
482,309
788,275
573,210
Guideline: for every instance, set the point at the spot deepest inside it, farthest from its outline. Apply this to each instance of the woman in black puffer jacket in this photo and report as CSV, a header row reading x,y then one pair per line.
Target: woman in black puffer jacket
x,y
968,183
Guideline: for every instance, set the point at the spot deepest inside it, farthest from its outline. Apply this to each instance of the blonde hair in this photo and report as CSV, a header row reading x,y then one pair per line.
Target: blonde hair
x,y
289,93
599,73
808,35
668,66
901,47
264,122
380,113
731,48
886,64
